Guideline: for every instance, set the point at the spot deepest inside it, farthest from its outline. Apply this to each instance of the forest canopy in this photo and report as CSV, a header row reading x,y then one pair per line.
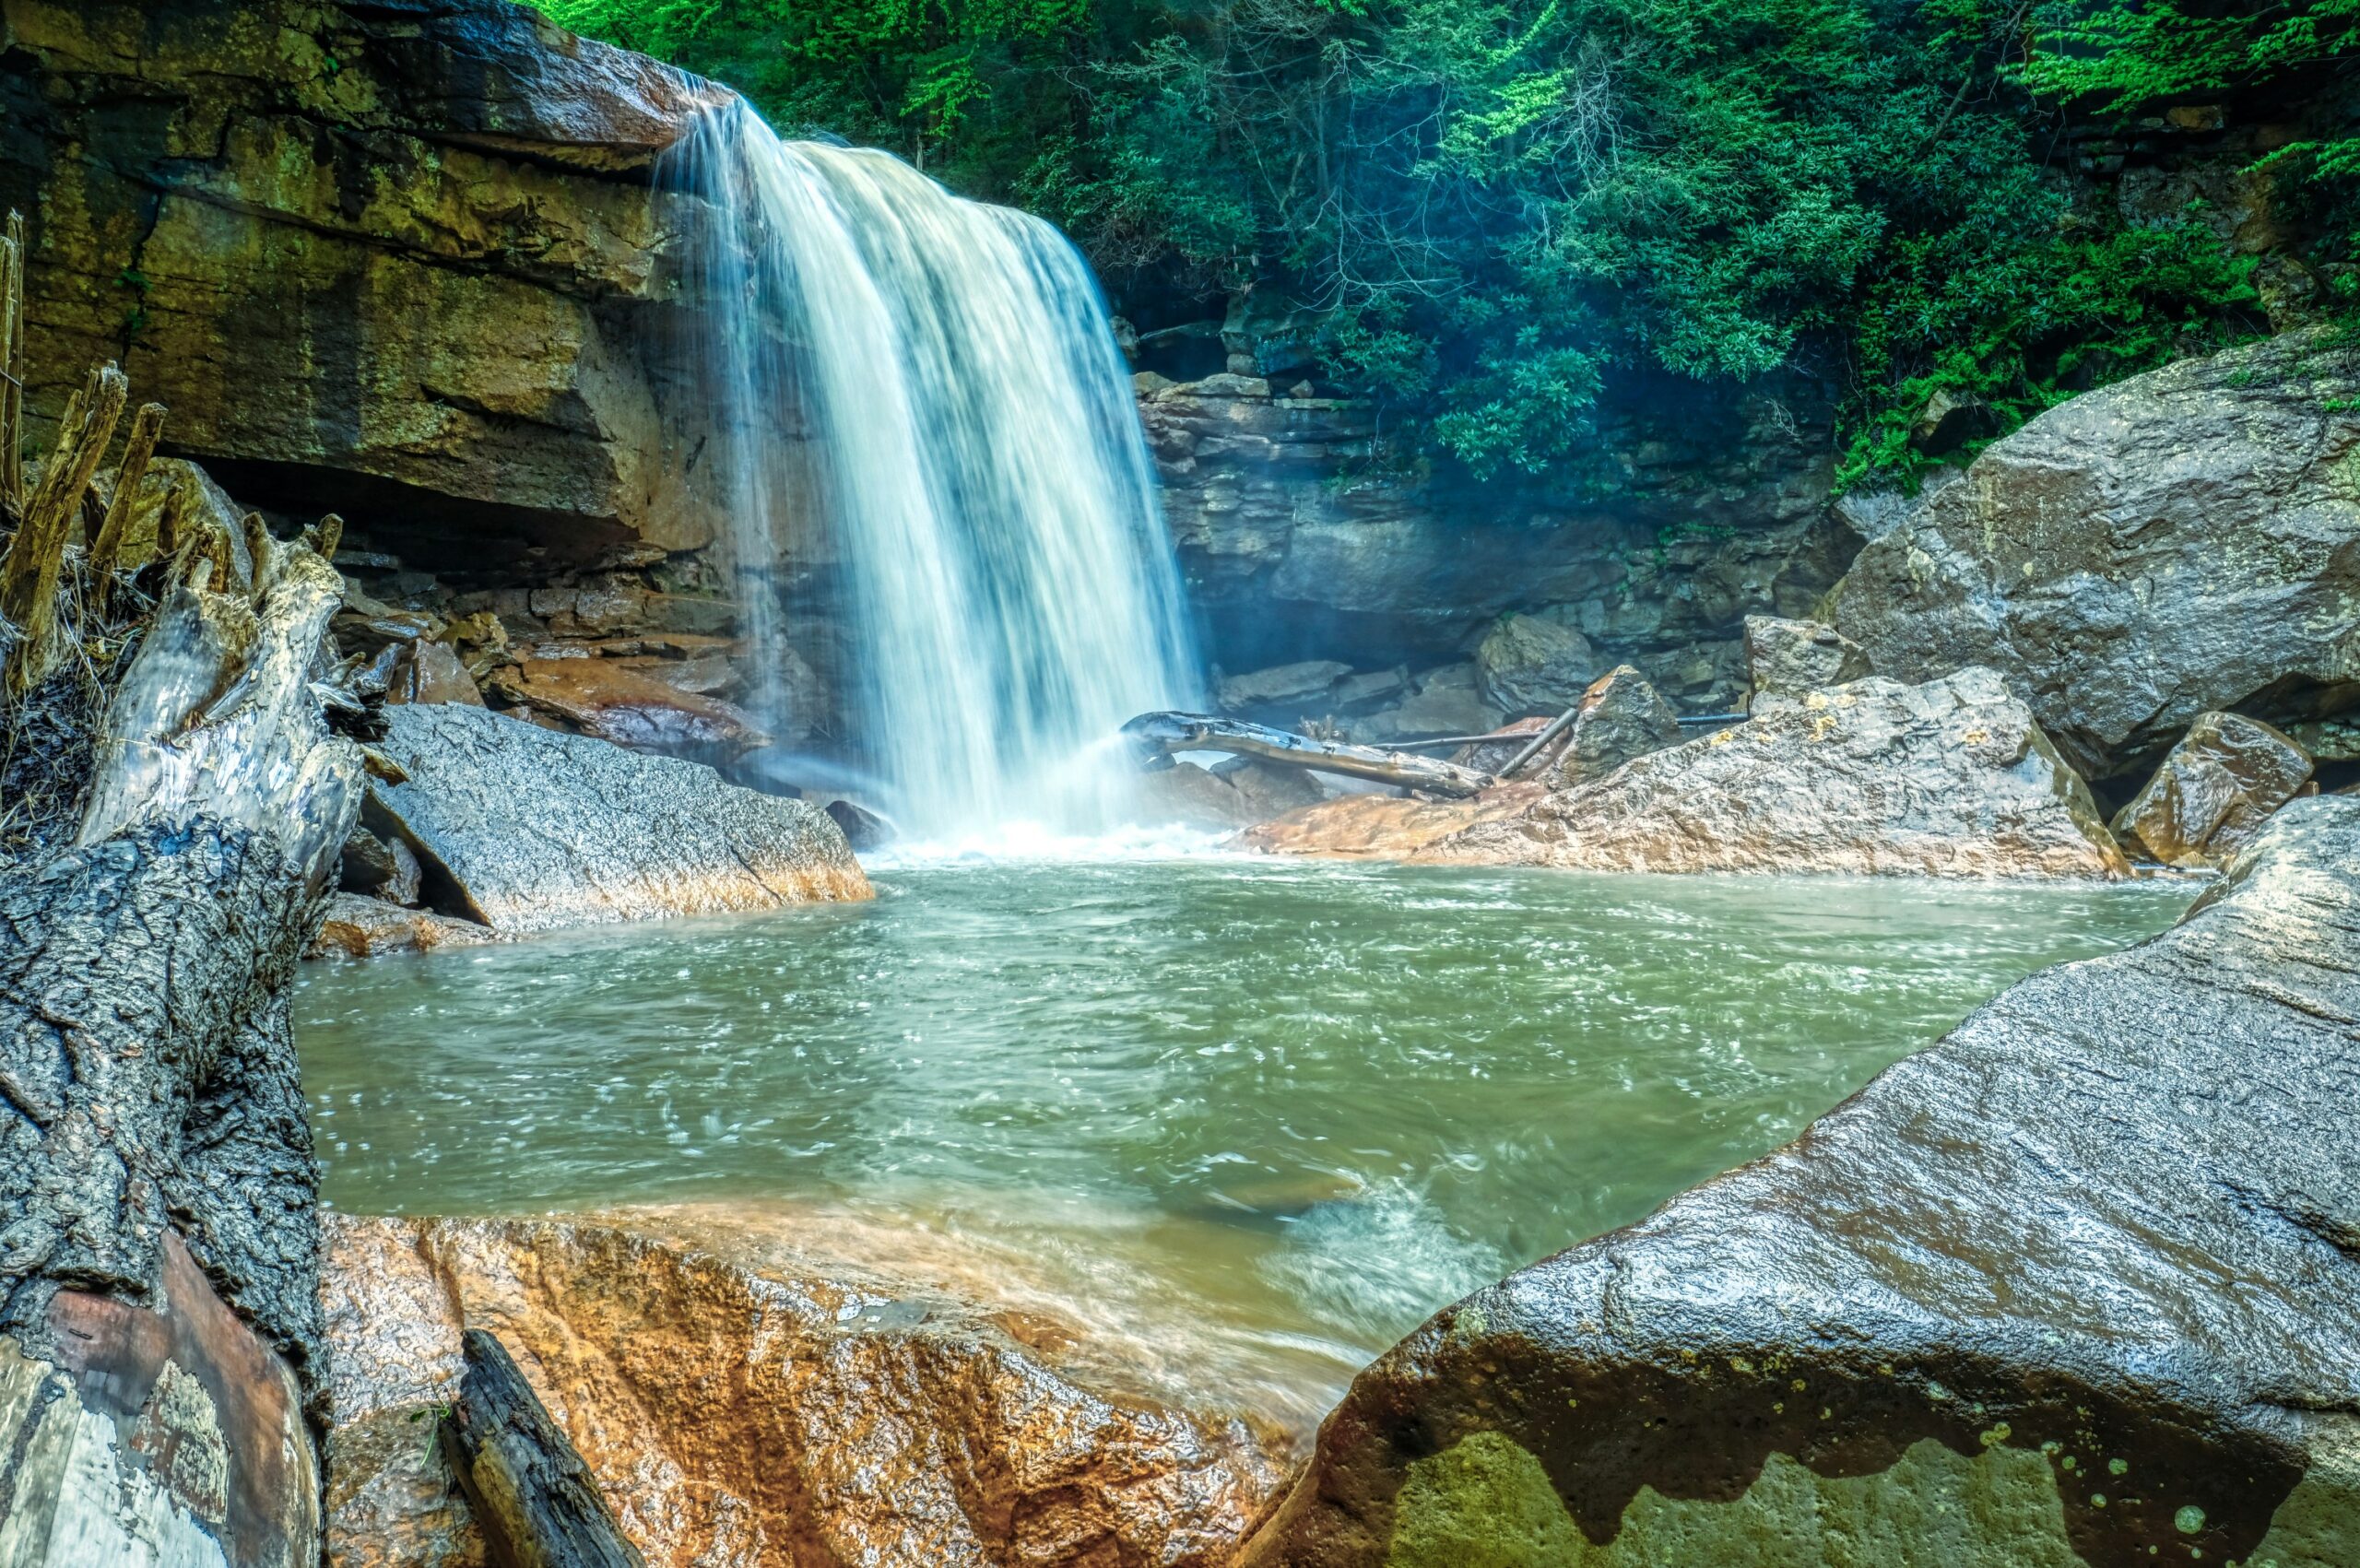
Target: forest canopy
x,y
1488,212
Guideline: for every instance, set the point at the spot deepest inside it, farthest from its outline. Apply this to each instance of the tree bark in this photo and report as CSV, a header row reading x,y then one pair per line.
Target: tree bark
x,y
1159,734
158,1236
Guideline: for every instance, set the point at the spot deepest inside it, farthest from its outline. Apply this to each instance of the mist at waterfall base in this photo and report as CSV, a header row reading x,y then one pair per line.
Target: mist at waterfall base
x,y
938,380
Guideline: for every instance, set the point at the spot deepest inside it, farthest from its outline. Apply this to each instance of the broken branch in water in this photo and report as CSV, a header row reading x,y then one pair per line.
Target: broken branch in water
x,y
1159,734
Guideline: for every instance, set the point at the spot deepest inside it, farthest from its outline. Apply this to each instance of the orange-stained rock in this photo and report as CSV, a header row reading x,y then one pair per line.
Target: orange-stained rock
x,y
629,705
1381,827
430,672
359,926
738,1415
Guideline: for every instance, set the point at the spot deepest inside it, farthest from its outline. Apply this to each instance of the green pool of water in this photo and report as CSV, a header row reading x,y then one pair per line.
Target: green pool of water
x,y
1256,1119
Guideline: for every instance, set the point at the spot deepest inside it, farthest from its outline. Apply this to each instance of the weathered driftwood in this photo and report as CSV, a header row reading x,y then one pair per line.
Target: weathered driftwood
x,y
158,1235
29,572
12,367
1160,735
537,1501
106,550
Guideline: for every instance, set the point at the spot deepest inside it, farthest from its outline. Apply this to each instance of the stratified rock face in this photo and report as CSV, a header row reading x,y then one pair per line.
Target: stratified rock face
x,y
1948,779
2074,1287
2186,540
1621,718
1298,543
1790,658
2215,791
740,1416
536,830
397,260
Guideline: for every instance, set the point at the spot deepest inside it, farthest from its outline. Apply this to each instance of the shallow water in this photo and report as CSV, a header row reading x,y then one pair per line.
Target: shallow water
x,y
1252,1120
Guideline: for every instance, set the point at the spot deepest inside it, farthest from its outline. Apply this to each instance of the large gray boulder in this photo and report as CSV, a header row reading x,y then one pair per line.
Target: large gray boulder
x,y
528,829
2215,792
2186,540
1621,718
1951,778
1789,658
2077,1286
1525,665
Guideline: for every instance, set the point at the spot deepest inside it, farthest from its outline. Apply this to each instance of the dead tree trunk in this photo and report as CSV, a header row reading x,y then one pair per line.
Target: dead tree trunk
x,y
1160,735
538,1503
159,1239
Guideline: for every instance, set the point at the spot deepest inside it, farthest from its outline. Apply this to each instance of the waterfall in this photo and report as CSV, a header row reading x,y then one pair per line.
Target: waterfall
x,y
1009,596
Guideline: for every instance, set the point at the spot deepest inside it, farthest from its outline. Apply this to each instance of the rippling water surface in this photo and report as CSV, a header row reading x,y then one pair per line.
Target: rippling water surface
x,y
1255,1119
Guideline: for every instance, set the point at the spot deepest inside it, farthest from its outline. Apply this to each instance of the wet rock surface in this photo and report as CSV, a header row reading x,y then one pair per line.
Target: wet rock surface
x,y
398,261
358,927
2183,541
1621,718
1299,542
1950,778
1793,658
531,830
1527,666
2214,792
1381,827
2075,1286
630,705
760,1409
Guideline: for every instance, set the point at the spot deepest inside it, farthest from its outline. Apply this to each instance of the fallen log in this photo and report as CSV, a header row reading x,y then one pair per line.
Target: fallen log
x,y
537,1503
173,837
1158,735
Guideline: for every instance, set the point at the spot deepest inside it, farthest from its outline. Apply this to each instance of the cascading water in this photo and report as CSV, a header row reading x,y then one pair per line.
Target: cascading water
x,y
1011,597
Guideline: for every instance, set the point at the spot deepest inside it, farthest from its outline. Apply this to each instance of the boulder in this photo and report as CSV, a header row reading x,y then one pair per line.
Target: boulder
x,y
2183,541
1233,794
1310,681
2075,1286
1491,756
630,706
1380,827
2215,791
1525,665
430,672
1789,658
385,869
535,829
1446,701
1268,788
359,927
863,829
1951,778
1621,717
757,1408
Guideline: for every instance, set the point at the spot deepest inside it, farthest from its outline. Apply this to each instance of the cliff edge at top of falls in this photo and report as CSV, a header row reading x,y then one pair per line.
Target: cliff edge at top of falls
x,y
398,260
2078,1285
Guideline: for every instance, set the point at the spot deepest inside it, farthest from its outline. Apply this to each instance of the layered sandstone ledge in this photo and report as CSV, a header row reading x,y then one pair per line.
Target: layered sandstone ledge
x,y
2080,1284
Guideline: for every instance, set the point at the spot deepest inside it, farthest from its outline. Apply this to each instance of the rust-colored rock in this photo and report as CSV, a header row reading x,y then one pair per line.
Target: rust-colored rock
x,y
1948,779
359,927
2215,791
629,705
740,1414
1381,827
430,672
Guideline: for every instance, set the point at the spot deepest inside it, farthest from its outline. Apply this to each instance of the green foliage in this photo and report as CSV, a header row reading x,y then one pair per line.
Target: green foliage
x,y
1503,211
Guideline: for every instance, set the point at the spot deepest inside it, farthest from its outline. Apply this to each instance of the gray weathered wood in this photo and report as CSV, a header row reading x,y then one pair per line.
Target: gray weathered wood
x,y
1160,735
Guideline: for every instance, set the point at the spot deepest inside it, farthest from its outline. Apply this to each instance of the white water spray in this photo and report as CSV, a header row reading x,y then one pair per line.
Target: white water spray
x,y
1011,597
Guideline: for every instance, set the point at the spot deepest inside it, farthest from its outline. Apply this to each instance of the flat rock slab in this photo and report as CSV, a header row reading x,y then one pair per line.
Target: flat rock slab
x,y
741,1407
536,830
1380,827
2078,1285
1951,778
